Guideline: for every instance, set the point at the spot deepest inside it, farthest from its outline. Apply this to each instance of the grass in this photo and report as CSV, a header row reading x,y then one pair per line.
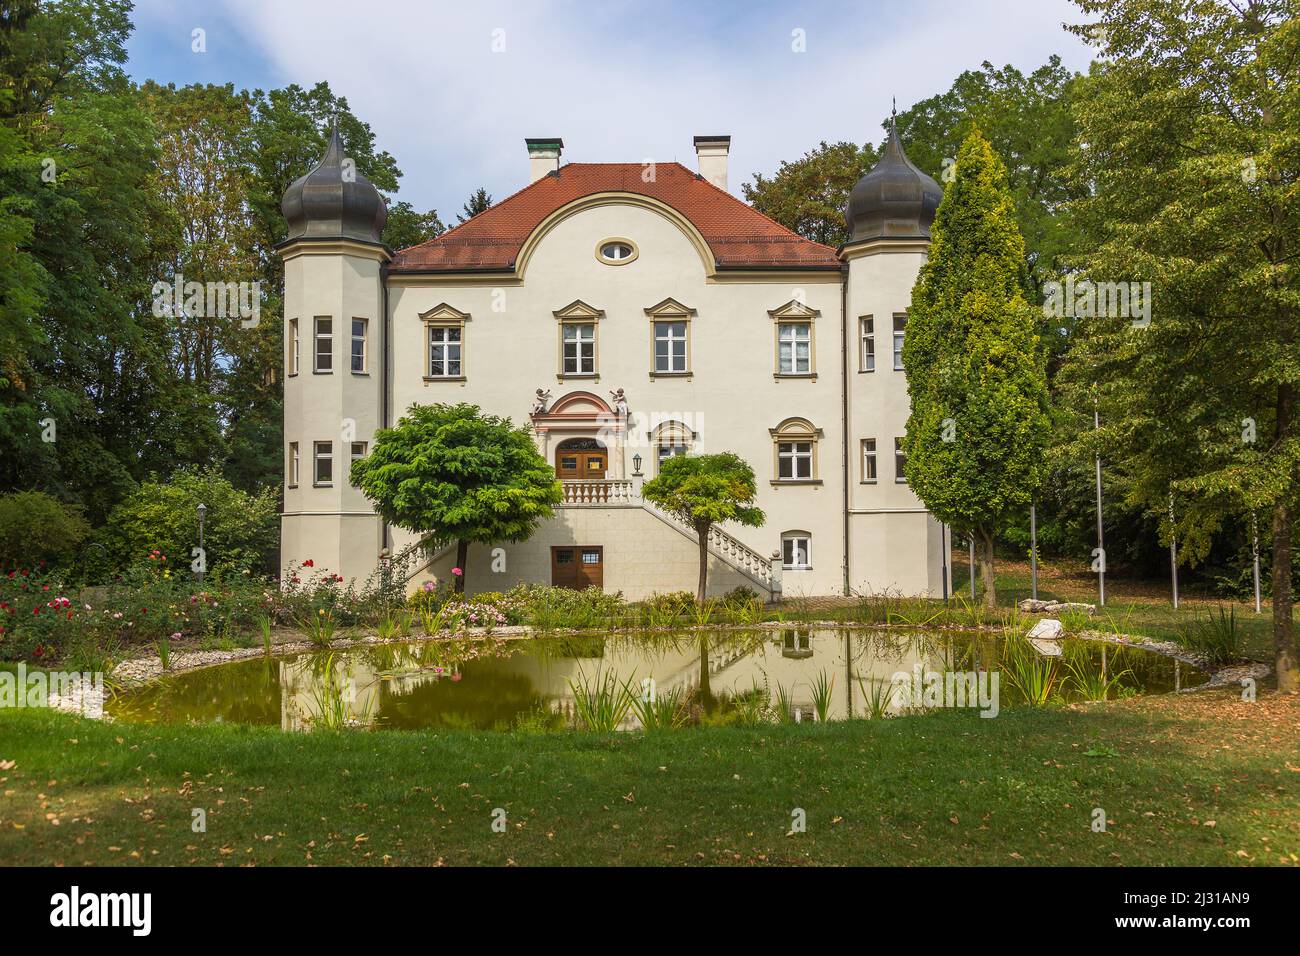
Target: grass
x,y
1203,779
1140,608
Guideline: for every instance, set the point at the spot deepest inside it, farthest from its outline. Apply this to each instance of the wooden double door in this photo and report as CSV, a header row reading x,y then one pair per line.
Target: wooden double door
x,y
578,566
581,458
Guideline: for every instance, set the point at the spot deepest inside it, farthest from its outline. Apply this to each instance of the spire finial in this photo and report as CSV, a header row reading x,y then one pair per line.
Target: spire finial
x,y
893,112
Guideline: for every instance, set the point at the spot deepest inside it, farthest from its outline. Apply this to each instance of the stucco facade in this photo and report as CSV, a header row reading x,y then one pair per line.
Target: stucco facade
x,y
771,368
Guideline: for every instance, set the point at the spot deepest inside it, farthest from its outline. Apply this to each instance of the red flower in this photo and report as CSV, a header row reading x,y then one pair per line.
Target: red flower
x,y
309,563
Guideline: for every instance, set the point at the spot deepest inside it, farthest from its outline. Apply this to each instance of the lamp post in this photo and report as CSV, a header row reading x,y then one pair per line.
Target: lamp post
x,y
1254,550
203,557
636,465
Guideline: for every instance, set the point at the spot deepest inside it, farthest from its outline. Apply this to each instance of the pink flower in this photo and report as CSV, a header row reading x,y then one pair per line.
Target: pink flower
x,y
457,571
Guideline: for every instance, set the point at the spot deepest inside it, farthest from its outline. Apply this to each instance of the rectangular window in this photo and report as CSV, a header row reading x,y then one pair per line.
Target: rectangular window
x,y
670,451
868,360
796,552
295,346
324,473
445,351
293,464
868,459
670,346
324,345
359,328
358,450
579,340
794,459
794,348
900,326
900,461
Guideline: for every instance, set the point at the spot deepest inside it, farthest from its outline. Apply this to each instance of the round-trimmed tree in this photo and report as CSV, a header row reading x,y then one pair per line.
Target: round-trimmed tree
x,y
451,473
706,489
979,424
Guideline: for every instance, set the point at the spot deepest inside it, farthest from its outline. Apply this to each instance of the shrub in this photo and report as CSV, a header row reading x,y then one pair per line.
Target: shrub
x,y
544,606
35,527
240,530
740,597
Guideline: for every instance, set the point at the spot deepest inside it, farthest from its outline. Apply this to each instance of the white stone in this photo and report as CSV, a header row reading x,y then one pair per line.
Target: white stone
x,y
1048,629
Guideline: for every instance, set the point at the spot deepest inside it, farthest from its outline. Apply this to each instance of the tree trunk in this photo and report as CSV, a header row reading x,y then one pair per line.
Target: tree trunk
x,y
1284,652
706,692
462,556
1288,673
985,556
703,531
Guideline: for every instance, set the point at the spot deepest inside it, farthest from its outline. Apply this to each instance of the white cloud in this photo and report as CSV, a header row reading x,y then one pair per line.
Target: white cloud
x,y
623,83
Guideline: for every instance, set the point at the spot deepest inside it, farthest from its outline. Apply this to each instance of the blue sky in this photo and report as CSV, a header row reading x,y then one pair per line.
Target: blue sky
x,y
452,89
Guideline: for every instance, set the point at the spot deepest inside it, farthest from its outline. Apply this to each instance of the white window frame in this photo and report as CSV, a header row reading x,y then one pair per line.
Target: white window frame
x,y
794,340
295,346
867,344
665,330
358,455
584,346
326,338
295,463
790,542
317,458
439,337
900,332
870,469
363,339
794,443
795,452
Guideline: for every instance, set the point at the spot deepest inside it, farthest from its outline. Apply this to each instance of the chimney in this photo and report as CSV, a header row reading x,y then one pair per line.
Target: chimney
x,y
543,156
711,154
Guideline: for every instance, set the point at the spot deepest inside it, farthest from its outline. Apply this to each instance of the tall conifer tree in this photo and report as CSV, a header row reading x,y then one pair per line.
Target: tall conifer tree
x,y
979,424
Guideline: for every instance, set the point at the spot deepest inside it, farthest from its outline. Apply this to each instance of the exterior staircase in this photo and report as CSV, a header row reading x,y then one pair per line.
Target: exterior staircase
x,y
763,571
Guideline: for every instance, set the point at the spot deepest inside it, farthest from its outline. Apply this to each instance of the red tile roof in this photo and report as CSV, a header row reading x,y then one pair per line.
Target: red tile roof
x,y
738,235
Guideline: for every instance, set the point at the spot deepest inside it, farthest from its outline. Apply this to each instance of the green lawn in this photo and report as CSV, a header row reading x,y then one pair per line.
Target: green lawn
x,y
1203,779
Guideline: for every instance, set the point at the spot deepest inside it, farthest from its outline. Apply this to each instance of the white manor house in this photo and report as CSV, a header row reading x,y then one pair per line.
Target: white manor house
x,y
627,312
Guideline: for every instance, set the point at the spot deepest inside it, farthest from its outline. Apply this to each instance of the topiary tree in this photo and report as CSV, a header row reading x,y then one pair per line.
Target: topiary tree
x,y
979,424
706,489
451,473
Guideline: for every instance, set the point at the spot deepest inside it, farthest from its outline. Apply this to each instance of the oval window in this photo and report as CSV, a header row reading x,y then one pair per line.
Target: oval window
x,y
616,252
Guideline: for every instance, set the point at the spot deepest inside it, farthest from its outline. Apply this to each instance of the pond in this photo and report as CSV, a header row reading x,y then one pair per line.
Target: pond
x,y
628,682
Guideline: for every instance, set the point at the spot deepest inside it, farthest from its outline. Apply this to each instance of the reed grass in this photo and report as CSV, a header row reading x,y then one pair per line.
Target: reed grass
x,y
1034,675
600,705
822,689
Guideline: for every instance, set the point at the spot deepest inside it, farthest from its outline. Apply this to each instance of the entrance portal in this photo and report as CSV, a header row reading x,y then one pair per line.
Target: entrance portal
x,y
579,458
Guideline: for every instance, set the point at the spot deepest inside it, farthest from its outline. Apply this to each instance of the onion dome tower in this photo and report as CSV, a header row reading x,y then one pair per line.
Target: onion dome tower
x,y
334,201
336,363
895,200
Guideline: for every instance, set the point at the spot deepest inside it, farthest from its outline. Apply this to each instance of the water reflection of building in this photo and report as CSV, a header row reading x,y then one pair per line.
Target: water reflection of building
x,y
784,665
